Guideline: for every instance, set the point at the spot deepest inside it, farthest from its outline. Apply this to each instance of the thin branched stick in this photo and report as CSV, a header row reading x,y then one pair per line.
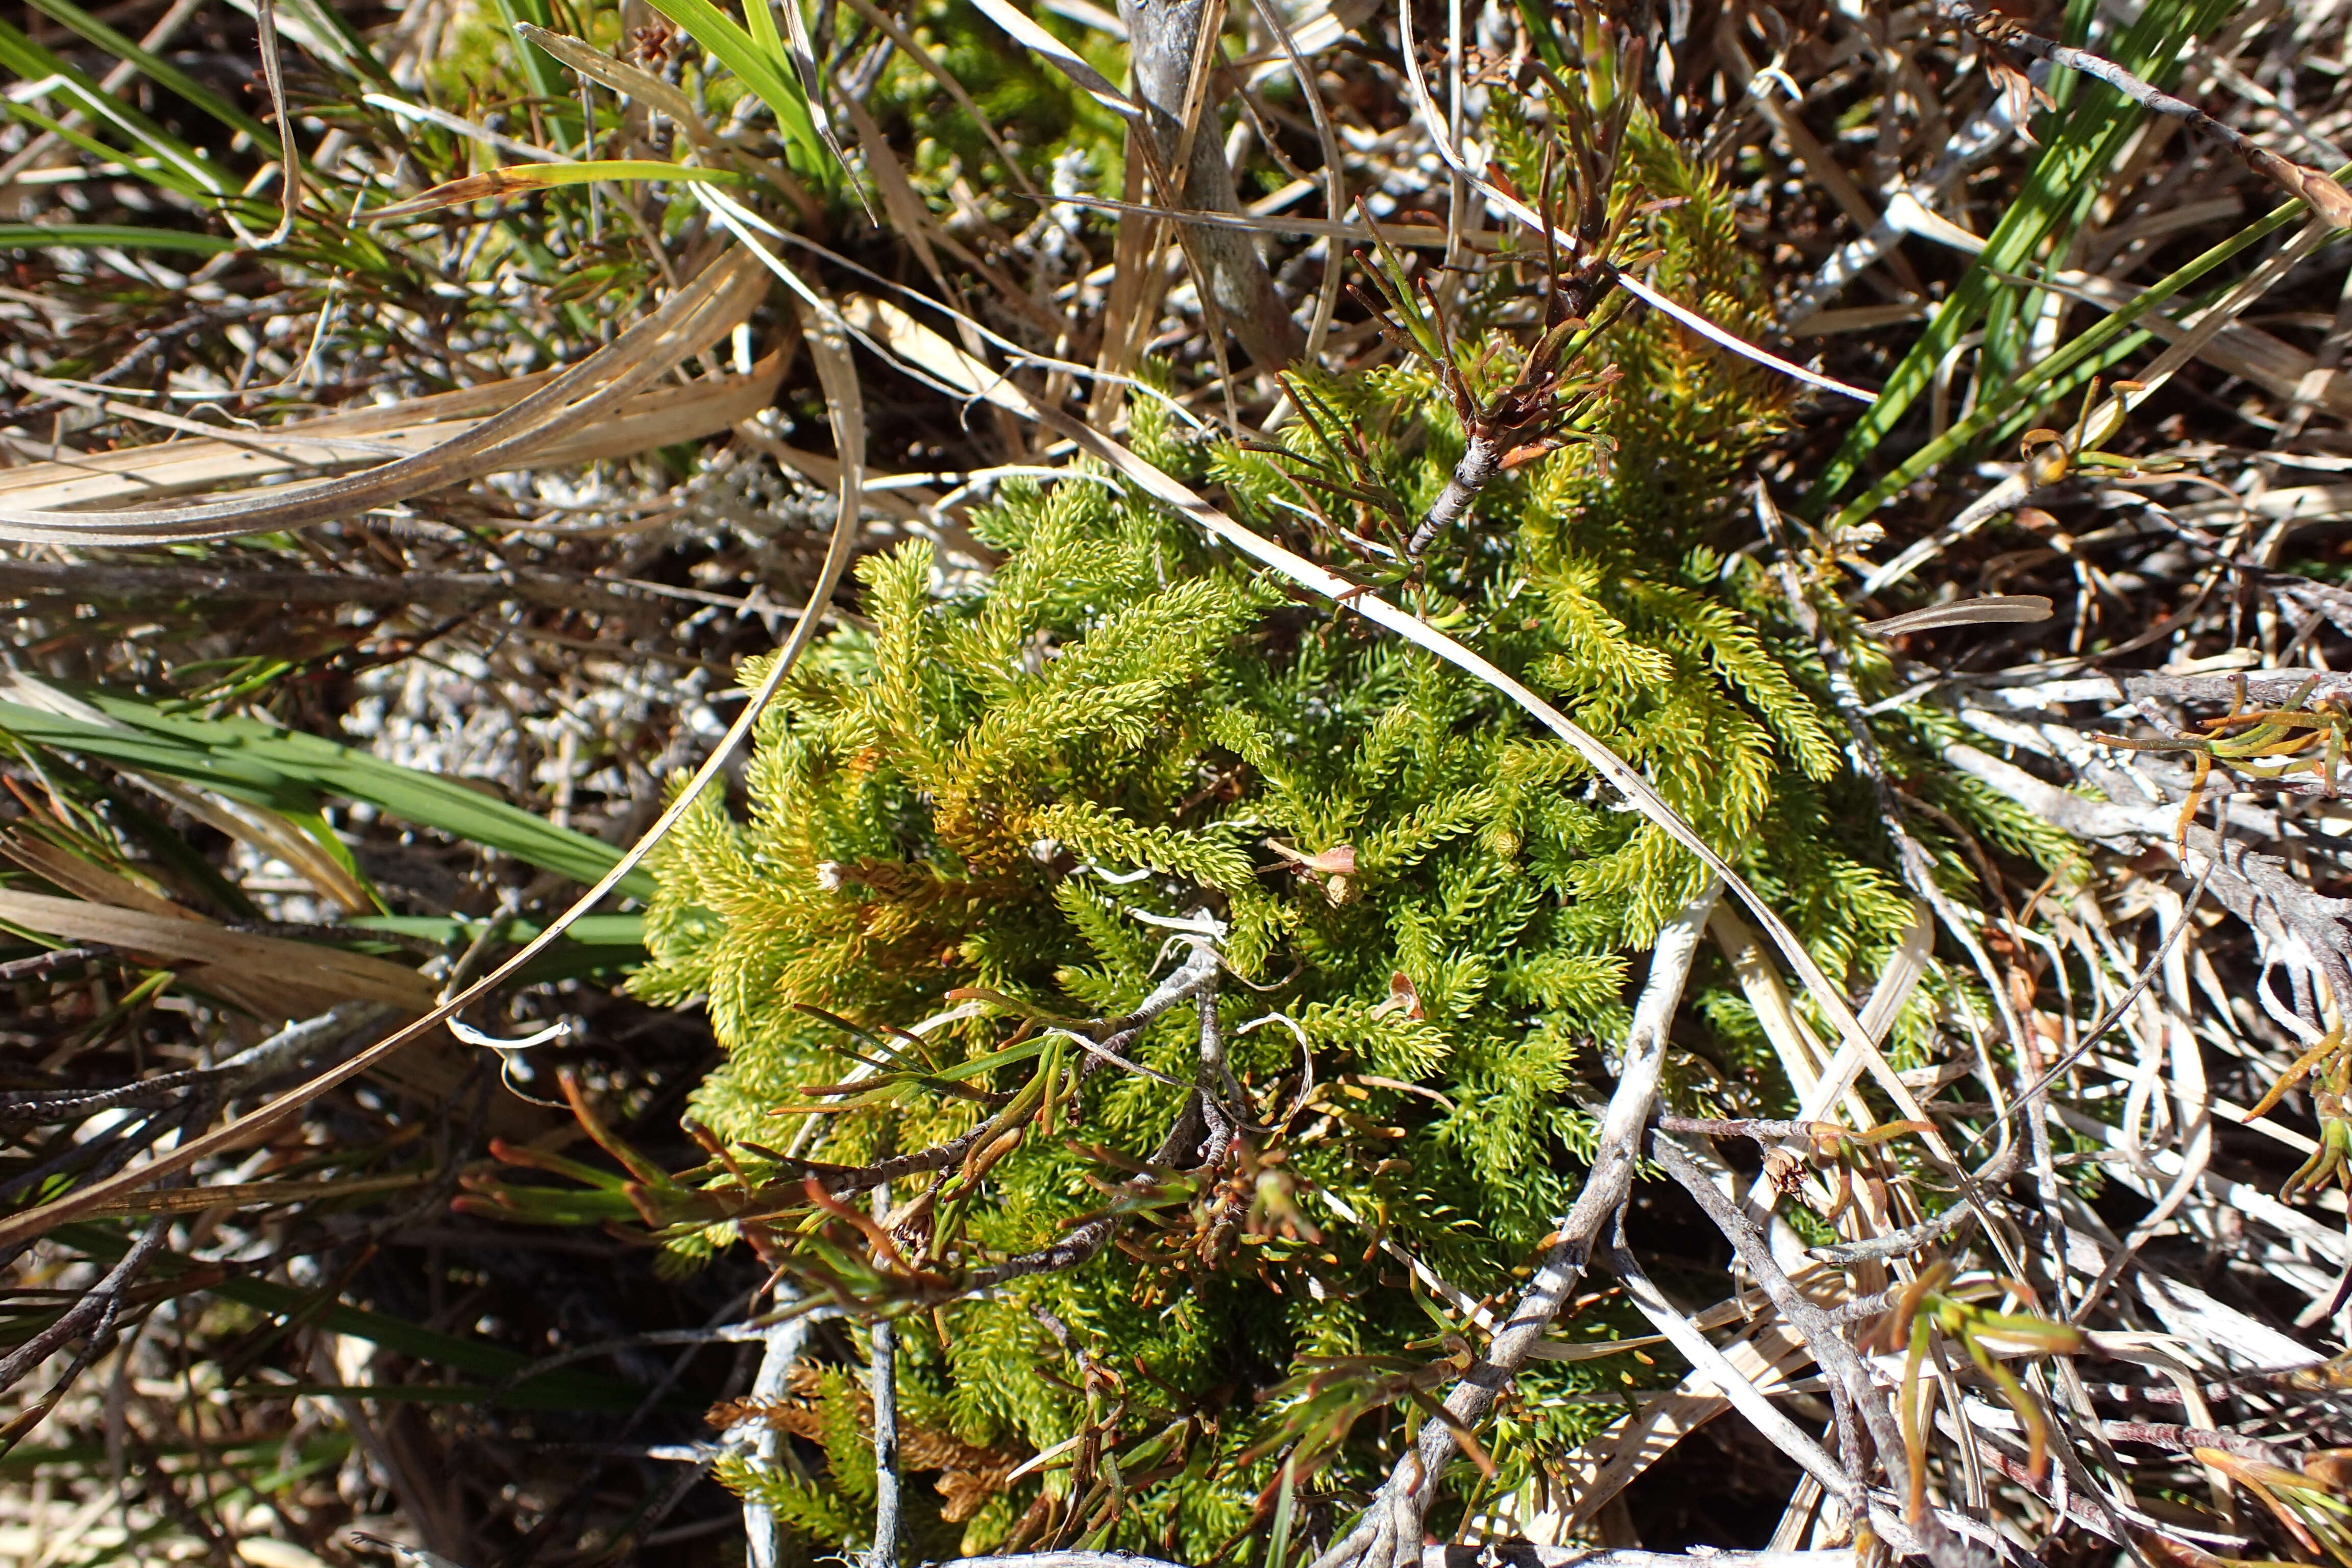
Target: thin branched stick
x,y
1395,1515
2326,197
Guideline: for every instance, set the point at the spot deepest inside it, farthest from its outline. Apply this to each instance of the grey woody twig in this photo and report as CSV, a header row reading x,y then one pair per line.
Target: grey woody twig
x,y
785,1339
1390,1526
1201,1133
93,1315
1758,1129
2320,192
1170,52
1838,1360
291,1046
885,1384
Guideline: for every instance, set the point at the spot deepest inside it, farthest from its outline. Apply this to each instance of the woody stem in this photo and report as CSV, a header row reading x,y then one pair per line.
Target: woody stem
x,y
1481,461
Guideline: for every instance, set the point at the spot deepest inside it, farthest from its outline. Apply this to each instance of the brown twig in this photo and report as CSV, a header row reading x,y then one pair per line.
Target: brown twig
x,y
2323,196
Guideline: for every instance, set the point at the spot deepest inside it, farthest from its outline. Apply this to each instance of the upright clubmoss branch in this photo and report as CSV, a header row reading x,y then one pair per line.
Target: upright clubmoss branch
x,y
1203,1128
1390,1530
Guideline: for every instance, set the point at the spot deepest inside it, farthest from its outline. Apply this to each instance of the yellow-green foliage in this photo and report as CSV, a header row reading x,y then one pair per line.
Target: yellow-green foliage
x,y
1006,787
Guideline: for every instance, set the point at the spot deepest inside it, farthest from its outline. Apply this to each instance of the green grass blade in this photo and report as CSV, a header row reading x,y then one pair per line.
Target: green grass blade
x,y
289,772
539,67
2048,209
156,69
38,236
526,177
29,60
2095,346
156,171
767,75
596,944
622,933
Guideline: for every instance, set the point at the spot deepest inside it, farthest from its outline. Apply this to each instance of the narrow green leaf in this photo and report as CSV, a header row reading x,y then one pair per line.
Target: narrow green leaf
x,y
2044,213
29,60
155,68
767,75
41,235
287,771
491,183
2095,346
539,67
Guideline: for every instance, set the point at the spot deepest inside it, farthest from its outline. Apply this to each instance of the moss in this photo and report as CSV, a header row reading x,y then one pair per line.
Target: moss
x,y
1008,791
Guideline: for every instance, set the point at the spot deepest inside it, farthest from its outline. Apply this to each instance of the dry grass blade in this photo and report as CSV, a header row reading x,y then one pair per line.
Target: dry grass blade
x,y
655,416
2193,340
1059,55
2329,200
309,978
1993,609
689,321
1335,172
1729,1381
913,49
1764,1357
250,1195
847,409
2241,350
1962,795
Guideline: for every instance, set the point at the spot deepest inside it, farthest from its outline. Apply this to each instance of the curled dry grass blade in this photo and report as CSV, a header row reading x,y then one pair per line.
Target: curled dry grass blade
x,y
308,978
848,410
653,418
698,315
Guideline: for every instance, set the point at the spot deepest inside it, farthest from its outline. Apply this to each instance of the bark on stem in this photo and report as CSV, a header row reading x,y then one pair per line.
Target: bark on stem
x,y
1481,461
886,1427
94,1313
1165,38
2319,191
763,1540
1413,1485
